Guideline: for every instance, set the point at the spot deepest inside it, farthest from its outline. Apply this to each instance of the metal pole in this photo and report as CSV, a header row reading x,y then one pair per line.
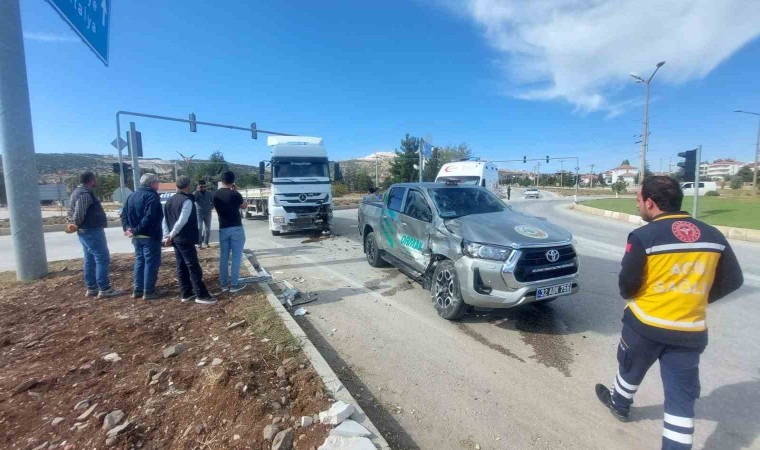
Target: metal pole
x,y
696,182
645,137
133,151
420,163
118,147
17,143
757,158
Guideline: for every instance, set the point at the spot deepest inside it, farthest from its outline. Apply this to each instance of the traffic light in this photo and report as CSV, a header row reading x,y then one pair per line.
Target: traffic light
x,y
138,145
525,159
126,168
193,126
689,164
547,159
254,131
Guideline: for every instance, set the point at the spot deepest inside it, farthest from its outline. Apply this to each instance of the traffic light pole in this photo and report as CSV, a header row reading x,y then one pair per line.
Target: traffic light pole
x,y
252,129
17,144
696,182
132,141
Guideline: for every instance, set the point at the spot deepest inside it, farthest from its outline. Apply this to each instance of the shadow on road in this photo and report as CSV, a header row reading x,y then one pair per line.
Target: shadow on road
x,y
383,419
734,407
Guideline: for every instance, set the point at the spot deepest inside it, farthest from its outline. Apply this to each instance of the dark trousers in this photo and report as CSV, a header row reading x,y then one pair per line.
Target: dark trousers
x,y
204,227
189,272
679,369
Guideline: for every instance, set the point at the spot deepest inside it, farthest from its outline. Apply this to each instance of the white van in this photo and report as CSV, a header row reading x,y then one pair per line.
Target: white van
x,y
704,187
479,173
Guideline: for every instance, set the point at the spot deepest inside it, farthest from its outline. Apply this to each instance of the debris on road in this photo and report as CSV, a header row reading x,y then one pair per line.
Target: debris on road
x,y
300,312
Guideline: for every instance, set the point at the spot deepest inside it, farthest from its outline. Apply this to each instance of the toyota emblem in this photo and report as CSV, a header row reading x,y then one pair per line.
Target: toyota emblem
x,y
552,255
302,197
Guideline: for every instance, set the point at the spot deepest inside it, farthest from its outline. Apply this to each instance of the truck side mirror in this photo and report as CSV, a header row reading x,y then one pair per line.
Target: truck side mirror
x,y
262,174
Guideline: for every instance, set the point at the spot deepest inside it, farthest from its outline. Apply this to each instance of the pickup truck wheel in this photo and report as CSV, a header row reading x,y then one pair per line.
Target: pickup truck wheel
x,y
275,233
447,298
371,250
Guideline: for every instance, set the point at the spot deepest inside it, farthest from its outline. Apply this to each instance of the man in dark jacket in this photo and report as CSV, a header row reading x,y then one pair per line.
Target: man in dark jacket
x,y
89,220
672,269
204,203
141,219
180,227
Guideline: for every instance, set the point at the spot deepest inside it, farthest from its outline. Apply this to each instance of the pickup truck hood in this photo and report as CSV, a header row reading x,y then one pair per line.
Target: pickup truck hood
x,y
507,228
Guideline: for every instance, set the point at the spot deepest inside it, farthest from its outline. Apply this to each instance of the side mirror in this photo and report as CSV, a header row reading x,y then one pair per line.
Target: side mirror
x,y
262,173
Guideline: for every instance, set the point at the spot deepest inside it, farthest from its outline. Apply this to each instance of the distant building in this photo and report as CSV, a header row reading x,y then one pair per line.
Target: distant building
x,y
164,188
720,168
625,171
53,192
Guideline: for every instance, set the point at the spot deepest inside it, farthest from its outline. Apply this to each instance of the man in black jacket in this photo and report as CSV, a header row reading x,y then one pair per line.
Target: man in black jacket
x,y
141,220
673,267
180,228
89,220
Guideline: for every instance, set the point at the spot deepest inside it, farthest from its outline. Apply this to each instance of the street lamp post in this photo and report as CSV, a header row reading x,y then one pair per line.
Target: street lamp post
x,y
757,148
645,136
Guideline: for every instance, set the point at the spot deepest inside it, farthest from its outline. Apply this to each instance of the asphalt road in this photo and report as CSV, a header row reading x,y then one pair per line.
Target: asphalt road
x,y
513,379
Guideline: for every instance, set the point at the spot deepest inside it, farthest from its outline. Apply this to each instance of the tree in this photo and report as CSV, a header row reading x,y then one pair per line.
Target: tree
x,y
433,165
600,181
402,167
105,185
745,173
362,181
451,153
736,182
337,173
647,171
625,163
619,187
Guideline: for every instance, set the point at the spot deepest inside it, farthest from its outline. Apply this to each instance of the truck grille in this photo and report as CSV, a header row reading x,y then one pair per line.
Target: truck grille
x,y
535,266
301,209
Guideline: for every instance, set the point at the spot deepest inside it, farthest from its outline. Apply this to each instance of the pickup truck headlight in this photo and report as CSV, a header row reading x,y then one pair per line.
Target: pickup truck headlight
x,y
278,219
484,251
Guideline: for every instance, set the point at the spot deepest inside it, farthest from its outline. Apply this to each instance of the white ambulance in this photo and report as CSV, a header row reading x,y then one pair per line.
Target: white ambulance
x,y
478,173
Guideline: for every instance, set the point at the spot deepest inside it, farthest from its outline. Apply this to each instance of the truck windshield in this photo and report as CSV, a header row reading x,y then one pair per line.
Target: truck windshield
x,y
474,181
300,168
453,202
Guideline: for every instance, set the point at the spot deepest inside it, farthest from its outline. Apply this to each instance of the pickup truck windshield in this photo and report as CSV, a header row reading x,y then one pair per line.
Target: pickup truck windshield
x,y
300,168
455,202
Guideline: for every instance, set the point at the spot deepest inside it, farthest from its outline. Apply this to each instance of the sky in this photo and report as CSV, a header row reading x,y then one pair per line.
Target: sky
x,y
508,77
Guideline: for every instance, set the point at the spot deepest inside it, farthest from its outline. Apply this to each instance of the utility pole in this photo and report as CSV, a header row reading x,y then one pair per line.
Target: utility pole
x,y
17,143
133,150
645,135
592,175
696,182
757,149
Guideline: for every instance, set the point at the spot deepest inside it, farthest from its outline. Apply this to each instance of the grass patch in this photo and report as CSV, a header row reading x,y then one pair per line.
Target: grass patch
x,y
737,212
264,321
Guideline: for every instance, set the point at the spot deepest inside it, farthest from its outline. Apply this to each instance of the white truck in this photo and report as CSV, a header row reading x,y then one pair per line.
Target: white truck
x,y
300,196
471,172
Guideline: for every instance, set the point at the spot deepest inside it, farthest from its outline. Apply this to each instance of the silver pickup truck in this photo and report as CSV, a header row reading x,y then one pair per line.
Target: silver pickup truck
x,y
469,248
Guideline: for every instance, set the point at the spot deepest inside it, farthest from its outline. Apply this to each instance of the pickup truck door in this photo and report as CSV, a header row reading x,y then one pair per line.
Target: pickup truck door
x,y
387,238
414,230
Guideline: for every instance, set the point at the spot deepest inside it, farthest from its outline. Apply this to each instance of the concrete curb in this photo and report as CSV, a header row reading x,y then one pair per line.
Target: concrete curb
x,y
738,234
329,378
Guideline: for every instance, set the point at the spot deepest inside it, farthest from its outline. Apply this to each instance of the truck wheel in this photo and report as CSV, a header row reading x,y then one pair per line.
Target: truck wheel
x,y
447,298
372,252
275,233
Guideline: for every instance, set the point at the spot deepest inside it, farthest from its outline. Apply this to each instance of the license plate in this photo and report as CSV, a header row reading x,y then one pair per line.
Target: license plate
x,y
554,291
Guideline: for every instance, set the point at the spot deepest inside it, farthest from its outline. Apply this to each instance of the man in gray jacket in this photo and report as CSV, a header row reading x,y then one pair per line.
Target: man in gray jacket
x,y
204,203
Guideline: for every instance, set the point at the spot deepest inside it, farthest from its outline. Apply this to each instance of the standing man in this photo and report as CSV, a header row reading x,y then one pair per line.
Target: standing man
x,y
87,218
228,202
141,220
204,202
673,267
180,226
373,196
509,192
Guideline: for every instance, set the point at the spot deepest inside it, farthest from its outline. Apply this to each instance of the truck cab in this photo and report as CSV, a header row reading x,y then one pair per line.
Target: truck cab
x,y
471,172
300,197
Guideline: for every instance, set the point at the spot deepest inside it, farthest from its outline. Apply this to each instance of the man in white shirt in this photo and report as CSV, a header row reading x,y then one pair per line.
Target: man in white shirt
x,y
180,228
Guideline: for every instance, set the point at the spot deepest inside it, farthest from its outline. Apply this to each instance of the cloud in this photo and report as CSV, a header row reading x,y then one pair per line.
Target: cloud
x,y
582,51
49,37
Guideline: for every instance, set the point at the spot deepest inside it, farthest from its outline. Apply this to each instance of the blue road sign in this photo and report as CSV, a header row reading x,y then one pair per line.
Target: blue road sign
x,y
90,19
